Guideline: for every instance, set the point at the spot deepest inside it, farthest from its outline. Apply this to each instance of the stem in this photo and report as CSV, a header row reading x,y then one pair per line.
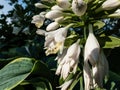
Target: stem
x,y
98,10
85,33
90,28
68,26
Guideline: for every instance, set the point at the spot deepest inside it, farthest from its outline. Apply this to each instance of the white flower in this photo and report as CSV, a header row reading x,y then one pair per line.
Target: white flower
x,y
95,57
38,20
110,4
92,48
40,5
66,85
53,14
52,26
54,40
100,70
79,7
56,7
65,4
68,61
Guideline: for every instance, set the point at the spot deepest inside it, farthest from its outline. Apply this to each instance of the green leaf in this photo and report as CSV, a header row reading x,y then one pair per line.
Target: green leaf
x,y
42,70
99,24
15,72
75,80
113,76
71,39
109,41
39,83
41,86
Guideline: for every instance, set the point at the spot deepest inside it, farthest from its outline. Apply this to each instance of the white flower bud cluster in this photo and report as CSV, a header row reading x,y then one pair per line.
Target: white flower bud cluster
x,y
95,64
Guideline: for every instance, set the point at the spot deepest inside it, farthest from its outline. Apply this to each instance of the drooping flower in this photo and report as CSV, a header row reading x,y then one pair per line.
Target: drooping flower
x,y
110,4
38,20
91,54
79,7
68,61
95,63
65,4
54,40
100,70
92,48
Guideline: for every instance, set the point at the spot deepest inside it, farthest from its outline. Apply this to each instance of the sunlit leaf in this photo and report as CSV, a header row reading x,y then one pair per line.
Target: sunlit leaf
x,y
99,24
15,72
109,41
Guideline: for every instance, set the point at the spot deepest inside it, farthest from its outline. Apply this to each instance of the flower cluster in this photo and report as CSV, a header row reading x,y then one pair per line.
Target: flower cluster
x,y
66,14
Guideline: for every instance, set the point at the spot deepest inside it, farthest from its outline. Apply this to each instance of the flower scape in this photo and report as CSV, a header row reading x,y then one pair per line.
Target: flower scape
x,y
73,48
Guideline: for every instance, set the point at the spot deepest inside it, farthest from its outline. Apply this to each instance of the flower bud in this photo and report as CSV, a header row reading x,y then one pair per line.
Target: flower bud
x,y
79,7
40,5
52,26
53,14
56,7
110,4
65,4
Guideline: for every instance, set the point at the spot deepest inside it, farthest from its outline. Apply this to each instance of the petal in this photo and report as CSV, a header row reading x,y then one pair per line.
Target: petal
x,y
87,76
65,70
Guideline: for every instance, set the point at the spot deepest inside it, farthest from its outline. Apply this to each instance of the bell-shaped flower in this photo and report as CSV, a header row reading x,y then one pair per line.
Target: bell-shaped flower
x,y
54,40
40,5
66,85
53,14
52,26
79,7
68,62
95,63
91,54
38,20
65,4
100,70
110,4
92,48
